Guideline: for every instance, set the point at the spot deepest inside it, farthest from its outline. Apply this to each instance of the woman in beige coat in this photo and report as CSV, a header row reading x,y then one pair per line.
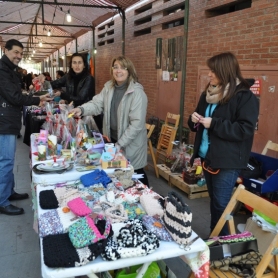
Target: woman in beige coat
x,y
123,103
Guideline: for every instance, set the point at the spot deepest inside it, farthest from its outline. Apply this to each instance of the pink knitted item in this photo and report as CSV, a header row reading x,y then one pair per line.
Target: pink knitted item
x,y
78,207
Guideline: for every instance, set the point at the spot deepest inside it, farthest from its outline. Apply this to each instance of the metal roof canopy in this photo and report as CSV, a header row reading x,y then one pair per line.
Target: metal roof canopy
x,y
29,21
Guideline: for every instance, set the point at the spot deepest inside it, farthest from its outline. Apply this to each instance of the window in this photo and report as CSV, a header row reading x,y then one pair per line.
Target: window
x,y
229,8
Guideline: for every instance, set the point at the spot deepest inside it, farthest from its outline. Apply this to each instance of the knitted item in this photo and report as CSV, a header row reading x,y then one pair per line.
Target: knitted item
x,y
150,203
55,222
87,231
97,176
156,226
49,224
244,236
58,251
131,239
78,207
48,200
177,218
64,194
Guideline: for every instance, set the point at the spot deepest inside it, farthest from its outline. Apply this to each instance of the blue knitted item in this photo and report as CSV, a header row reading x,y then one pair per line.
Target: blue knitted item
x,y
98,176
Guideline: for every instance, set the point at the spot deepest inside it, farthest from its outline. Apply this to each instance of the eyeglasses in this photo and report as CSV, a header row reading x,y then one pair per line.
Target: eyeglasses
x,y
118,68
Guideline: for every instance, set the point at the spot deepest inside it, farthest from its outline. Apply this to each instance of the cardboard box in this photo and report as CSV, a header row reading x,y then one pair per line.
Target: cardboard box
x,y
220,251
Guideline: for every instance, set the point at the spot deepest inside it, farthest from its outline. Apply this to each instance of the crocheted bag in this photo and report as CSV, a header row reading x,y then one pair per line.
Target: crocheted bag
x,y
97,176
131,239
48,200
177,218
87,231
58,251
79,207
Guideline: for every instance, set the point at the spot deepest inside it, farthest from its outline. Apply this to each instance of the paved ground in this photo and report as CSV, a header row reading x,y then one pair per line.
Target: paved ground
x,y
19,244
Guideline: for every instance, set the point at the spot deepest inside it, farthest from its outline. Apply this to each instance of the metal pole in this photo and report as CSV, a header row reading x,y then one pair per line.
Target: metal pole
x,y
94,55
184,57
76,46
65,60
123,31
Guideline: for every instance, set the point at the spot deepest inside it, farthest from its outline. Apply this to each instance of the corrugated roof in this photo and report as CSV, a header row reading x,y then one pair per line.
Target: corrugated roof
x,y
29,21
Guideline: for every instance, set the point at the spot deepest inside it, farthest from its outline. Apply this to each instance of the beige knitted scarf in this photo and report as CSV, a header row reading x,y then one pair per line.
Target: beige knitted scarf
x,y
214,92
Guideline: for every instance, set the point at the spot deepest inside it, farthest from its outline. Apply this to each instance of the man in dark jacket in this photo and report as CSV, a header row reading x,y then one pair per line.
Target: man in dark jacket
x,y
11,101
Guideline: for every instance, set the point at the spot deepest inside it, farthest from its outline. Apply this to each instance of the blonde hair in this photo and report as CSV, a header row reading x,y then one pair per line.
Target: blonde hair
x,y
125,63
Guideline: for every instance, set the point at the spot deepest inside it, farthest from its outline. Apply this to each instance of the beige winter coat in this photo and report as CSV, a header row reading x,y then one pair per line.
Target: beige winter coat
x,y
131,116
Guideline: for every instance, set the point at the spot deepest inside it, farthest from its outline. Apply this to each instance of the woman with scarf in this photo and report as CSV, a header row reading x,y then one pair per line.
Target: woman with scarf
x,y
224,122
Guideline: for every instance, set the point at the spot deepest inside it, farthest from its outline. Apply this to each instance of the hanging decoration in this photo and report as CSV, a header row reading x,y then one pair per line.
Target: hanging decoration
x,y
158,53
178,53
165,54
171,53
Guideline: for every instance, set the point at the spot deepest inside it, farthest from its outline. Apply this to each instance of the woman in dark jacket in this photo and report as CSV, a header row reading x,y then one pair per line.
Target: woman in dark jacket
x,y
80,85
224,122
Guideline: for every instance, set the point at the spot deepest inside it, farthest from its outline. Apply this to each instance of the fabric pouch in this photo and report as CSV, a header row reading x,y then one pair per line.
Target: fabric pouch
x,y
156,226
58,251
78,207
97,176
150,203
133,210
87,231
48,200
133,193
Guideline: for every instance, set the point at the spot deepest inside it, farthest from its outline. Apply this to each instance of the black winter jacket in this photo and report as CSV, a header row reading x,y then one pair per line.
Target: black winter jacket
x,y
85,88
11,98
231,132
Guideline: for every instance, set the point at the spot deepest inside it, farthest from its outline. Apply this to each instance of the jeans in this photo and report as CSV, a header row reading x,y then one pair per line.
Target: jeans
x,y
7,156
220,188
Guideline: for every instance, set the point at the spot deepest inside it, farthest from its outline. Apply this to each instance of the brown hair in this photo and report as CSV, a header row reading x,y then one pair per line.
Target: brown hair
x,y
125,63
226,68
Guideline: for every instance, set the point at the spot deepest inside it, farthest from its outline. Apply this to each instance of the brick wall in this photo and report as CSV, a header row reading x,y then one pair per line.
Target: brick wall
x,y
250,33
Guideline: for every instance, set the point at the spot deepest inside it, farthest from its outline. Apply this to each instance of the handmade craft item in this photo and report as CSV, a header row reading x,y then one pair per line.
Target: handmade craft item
x,y
177,218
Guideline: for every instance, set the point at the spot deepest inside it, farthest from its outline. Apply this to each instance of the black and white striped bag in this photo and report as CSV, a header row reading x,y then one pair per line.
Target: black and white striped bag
x,y
177,218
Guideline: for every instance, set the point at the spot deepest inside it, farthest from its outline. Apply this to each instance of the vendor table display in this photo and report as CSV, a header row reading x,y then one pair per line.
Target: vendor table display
x,y
92,216
114,255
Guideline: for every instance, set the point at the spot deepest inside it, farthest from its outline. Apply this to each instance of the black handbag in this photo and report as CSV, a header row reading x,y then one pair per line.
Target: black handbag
x,y
253,169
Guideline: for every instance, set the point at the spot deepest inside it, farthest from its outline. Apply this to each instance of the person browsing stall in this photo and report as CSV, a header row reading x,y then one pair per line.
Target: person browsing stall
x,y
80,85
224,121
123,103
11,101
